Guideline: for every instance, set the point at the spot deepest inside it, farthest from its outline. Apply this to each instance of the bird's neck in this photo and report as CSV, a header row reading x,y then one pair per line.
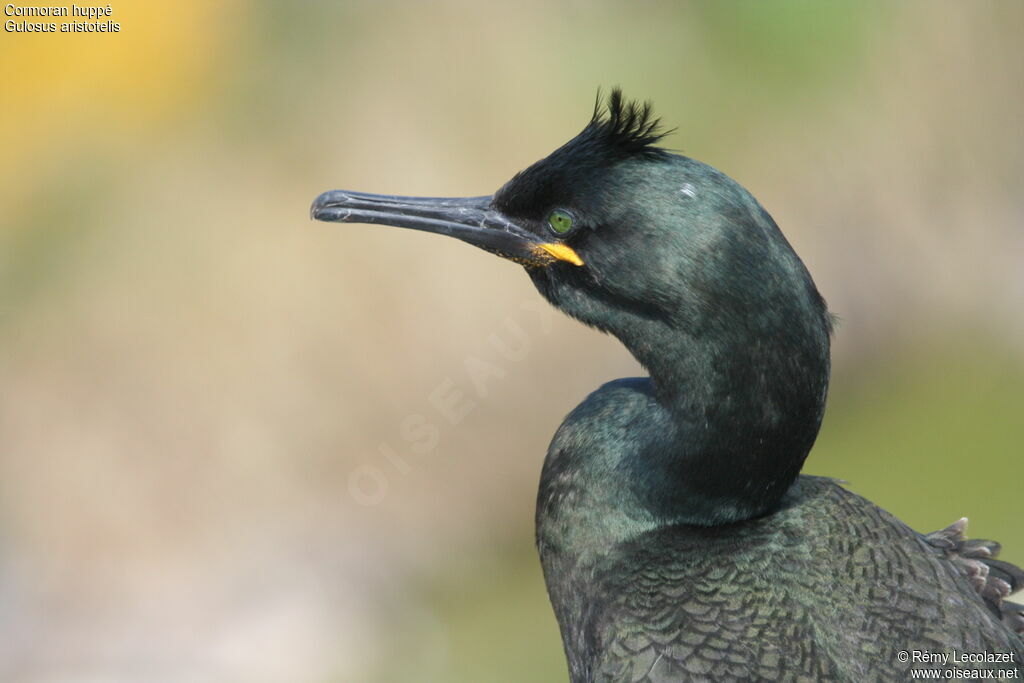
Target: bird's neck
x,y
716,435
743,412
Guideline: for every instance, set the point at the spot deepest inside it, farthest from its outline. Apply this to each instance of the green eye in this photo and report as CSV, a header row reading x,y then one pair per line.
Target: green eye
x,y
560,221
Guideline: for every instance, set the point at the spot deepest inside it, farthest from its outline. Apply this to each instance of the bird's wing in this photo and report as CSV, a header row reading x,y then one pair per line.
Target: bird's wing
x,y
831,588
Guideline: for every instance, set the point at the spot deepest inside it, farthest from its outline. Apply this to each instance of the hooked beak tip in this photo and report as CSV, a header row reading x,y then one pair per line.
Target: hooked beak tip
x,y
320,203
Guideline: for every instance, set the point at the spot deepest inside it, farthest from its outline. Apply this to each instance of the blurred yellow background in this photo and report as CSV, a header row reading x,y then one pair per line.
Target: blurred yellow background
x,y
204,397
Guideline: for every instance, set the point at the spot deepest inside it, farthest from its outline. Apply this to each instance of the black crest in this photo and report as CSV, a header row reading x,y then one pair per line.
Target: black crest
x,y
619,130
623,128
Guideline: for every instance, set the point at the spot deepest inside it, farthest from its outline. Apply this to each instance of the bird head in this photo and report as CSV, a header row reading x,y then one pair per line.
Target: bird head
x,y
625,236
684,266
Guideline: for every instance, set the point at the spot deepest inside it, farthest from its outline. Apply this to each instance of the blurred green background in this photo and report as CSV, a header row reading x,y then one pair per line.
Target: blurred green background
x,y
204,396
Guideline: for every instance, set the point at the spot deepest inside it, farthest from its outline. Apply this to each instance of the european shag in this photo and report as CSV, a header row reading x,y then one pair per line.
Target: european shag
x,y
677,540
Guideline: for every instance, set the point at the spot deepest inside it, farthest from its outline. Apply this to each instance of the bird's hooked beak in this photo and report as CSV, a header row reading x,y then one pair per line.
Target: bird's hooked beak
x,y
470,219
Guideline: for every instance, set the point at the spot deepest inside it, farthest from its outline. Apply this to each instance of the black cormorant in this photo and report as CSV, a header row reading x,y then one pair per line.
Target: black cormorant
x,y
678,541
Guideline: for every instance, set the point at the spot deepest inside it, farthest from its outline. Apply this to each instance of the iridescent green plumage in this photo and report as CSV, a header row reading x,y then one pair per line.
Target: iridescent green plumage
x,y
677,541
